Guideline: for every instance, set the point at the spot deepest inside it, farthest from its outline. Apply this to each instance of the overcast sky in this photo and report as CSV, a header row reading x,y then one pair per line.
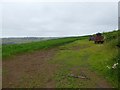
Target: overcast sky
x,y
58,18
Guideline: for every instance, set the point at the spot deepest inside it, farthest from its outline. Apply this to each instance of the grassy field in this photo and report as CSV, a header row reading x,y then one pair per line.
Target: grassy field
x,y
21,40
10,50
87,55
75,55
96,57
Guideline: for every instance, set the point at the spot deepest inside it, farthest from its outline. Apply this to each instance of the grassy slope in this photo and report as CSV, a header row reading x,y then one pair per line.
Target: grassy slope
x,y
10,50
83,53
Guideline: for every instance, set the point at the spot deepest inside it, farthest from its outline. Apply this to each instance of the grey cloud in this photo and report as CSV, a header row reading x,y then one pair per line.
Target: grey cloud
x,y
58,19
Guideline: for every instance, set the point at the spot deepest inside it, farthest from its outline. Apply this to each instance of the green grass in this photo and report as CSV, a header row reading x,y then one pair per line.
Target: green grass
x,y
96,57
10,50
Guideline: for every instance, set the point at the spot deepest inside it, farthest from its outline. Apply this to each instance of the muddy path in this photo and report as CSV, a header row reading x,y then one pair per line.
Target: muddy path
x,y
29,70
32,70
89,78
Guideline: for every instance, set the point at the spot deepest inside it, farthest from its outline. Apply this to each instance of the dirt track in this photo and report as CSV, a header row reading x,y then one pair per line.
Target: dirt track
x,y
33,70
25,70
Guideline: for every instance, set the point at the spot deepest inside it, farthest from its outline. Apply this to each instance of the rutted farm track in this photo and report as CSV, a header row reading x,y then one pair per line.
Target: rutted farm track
x,y
37,70
29,70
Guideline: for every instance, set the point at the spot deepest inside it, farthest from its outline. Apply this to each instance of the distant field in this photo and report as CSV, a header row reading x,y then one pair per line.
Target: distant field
x,y
25,40
12,49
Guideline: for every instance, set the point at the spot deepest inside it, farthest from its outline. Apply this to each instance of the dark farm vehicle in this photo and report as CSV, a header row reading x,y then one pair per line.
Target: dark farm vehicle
x,y
99,38
91,38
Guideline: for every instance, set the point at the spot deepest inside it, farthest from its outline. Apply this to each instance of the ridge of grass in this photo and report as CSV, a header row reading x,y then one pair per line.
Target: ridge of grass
x,y
10,50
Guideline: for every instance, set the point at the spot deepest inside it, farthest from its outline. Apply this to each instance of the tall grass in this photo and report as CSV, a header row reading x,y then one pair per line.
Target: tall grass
x,y
113,42
10,50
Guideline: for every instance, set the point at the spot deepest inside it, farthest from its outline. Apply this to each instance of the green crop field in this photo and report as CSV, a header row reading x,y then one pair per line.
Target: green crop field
x,y
10,50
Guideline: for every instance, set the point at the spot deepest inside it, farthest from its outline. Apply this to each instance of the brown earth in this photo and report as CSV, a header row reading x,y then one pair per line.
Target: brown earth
x,y
29,70
90,78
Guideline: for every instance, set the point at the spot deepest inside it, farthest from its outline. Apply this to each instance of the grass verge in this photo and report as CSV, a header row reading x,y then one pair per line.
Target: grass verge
x,y
10,50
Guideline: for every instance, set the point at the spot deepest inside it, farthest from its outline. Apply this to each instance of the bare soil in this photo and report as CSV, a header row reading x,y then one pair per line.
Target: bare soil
x,y
91,79
29,70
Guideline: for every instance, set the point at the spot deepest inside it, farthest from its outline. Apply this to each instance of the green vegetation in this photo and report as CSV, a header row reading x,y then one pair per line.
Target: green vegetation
x,y
85,54
113,39
77,55
10,50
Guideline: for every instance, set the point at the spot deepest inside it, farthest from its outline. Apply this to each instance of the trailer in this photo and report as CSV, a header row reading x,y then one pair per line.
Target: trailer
x,y
99,38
